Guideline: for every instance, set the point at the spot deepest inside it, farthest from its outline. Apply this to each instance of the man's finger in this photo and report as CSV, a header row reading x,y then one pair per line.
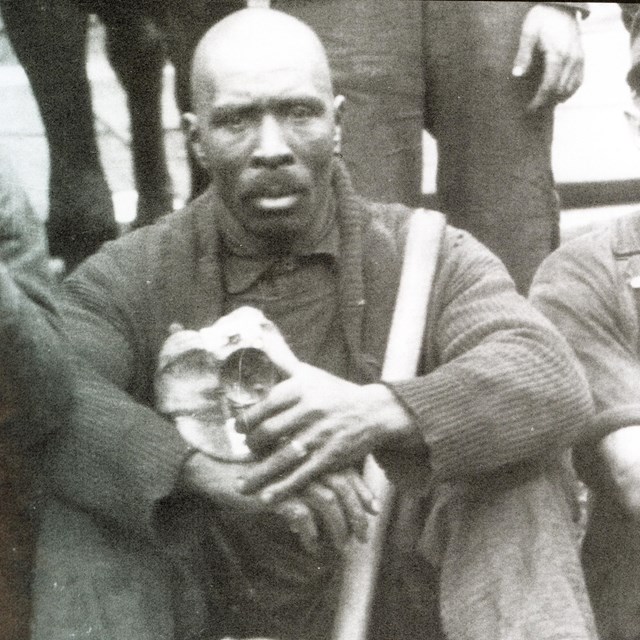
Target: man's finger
x,y
280,398
275,429
274,466
546,93
328,509
296,480
367,498
353,508
571,80
301,522
523,58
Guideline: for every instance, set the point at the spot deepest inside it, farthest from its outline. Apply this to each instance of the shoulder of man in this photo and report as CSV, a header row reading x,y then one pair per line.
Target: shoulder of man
x,y
176,234
602,262
461,259
392,222
581,252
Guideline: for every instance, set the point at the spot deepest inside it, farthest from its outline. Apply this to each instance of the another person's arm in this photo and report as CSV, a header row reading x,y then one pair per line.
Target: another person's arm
x,y
580,290
34,390
117,458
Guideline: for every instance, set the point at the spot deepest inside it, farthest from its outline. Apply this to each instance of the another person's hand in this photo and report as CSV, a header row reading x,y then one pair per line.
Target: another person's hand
x,y
313,423
621,453
328,511
554,34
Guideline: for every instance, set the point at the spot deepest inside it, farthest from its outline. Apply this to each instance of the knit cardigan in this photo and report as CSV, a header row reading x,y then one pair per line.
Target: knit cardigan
x,y
502,390
589,290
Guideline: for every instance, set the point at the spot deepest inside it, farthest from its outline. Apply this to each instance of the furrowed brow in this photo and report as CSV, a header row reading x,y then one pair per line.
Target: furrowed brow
x,y
315,105
222,113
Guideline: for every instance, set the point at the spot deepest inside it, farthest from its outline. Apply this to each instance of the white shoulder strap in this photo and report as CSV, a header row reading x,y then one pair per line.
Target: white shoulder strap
x,y
422,248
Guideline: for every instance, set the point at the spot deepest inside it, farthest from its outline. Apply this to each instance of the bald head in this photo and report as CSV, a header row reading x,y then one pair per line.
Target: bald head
x,y
261,41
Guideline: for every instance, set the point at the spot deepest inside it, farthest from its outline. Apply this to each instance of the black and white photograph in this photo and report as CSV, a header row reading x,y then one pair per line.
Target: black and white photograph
x,y
320,320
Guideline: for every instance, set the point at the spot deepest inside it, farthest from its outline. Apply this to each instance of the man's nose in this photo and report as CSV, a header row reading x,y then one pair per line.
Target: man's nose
x,y
272,149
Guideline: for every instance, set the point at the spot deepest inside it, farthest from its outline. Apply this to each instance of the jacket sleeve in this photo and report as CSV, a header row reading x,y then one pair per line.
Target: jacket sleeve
x,y
581,8
118,458
34,383
504,387
583,292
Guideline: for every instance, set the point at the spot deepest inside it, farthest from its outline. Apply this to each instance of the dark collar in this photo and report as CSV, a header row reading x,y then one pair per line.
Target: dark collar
x,y
241,272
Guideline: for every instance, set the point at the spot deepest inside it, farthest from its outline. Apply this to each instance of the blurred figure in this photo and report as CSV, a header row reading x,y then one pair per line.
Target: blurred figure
x,y
33,393
590,288
483,78
50,41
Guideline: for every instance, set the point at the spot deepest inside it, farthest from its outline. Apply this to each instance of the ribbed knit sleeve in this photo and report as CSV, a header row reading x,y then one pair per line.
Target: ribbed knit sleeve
x,y
117,458
581,289
34,385
506,386
588,295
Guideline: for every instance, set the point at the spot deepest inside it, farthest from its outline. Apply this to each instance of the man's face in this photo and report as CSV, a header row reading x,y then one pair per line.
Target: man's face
x,y
265,133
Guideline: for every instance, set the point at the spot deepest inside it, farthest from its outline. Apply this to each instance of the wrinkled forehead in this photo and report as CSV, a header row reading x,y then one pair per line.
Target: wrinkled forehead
x,y
237,82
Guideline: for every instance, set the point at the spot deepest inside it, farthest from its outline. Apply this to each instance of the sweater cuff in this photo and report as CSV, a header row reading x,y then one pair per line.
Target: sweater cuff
x,y
442,434
164,459
448,420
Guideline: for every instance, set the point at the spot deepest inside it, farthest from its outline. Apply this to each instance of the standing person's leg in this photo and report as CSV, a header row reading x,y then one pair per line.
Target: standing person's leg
x,y
494,170
374,50
184,23
611,562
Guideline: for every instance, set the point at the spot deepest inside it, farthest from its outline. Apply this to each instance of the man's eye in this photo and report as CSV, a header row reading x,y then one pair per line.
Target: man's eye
x,y
230,120
235,121
300,112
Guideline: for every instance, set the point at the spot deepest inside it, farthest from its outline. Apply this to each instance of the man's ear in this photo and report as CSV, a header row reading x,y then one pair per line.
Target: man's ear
x,y
192,133
338,111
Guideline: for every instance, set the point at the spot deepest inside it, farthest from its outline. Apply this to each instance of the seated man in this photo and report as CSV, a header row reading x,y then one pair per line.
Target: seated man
x,y
154,538
589,288
34,396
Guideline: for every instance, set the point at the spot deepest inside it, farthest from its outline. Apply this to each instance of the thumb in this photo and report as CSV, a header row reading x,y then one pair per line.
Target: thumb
x,y
523,58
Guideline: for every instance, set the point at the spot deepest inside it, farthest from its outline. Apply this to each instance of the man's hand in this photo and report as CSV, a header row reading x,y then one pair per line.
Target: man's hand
x,y
621,453
553,33
335,507
328,511
313,423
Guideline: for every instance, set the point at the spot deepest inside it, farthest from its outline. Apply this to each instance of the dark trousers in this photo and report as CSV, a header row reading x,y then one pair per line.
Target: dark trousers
x,y
611,561
17,544
444,66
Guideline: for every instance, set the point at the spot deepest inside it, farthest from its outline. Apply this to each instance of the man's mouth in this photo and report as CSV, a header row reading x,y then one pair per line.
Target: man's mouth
x,y
272,197
274,202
